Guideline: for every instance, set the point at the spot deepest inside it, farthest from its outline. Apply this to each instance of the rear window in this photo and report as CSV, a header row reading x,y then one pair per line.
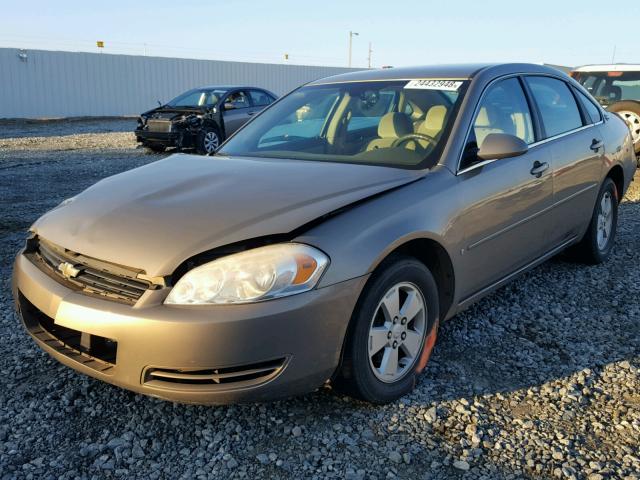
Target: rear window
x,y
558,107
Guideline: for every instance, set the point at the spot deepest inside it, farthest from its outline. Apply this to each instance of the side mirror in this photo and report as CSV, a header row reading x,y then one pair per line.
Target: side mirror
x,y
229,106
502,145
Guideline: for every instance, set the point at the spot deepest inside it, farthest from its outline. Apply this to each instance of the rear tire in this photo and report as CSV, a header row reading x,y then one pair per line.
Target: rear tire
x,y
630,113
597,244
387,347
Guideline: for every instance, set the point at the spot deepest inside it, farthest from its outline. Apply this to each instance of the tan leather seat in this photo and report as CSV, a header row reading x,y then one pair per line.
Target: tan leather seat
x,y
392,126
432,125
434,121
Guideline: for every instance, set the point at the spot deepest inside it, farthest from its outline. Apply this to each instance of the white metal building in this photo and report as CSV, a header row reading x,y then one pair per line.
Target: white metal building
x,y
47,84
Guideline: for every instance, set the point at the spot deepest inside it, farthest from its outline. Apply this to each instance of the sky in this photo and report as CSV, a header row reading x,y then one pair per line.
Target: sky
x,y
401,32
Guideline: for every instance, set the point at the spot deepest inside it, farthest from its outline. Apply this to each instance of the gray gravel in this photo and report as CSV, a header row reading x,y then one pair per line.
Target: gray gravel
x,y
539,380
55,128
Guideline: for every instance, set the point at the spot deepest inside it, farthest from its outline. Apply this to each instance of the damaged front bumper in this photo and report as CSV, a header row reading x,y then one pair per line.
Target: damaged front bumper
x,y
191,354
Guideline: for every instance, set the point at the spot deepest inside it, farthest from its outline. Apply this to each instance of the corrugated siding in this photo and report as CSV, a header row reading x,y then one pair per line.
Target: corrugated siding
x,y
72,84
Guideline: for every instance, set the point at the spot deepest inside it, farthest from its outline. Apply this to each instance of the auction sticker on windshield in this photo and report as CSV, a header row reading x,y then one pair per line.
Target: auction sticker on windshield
x,y
447,85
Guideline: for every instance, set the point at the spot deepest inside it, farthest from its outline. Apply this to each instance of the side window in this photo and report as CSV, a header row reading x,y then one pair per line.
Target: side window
x,y
260,98
557,105
503,109
592,111
238,99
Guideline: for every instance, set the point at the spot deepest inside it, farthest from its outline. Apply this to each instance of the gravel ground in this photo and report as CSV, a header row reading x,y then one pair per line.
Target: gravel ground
x,y
55,128
539,380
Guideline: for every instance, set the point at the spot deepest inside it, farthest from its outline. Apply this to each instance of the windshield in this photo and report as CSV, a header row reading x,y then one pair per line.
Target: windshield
x,y
197,98
398,123
611,87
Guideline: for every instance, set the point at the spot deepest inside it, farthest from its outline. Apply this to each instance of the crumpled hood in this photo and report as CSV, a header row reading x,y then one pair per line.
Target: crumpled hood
x,y
156,216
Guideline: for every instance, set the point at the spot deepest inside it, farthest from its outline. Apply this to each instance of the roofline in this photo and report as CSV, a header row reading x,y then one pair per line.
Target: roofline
x,y
609,67
460,72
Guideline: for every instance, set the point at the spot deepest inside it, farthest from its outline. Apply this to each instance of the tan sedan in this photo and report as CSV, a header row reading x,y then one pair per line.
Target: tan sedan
x,y
325,240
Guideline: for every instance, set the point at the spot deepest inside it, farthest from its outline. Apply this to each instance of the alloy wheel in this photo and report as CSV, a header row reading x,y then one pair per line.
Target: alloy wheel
x,y
211,142
605,221
397,332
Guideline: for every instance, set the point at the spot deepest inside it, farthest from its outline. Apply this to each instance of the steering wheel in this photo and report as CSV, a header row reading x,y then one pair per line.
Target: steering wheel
x,y
413,136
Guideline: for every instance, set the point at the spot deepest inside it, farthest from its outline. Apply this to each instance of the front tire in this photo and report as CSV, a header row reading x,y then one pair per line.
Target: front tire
x,y
392,332
597,244
208,140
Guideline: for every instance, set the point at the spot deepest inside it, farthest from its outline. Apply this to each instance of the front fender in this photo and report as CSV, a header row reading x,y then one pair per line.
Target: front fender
x,y
358,239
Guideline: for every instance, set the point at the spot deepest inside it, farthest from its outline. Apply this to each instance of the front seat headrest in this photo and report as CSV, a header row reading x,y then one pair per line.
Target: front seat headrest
x,y
434,121
394,125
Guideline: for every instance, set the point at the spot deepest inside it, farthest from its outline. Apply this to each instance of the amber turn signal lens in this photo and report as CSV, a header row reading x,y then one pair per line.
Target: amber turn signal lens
x,y
306,267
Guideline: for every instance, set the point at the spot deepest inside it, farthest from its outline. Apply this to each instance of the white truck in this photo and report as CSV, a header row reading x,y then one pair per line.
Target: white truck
x,y
617,88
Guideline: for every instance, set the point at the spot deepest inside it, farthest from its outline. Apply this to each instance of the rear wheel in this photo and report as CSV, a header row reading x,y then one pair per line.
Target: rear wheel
x,y
630,113
596,245
393,332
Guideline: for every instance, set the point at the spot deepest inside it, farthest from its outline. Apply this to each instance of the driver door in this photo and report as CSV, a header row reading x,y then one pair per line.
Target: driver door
x,y
236,109
508,214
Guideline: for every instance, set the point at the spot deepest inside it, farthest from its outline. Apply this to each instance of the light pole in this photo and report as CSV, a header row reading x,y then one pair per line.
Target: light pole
x,y
351,35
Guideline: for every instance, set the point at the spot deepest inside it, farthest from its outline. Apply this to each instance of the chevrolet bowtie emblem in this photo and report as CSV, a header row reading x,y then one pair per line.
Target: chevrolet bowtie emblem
x,y
68,270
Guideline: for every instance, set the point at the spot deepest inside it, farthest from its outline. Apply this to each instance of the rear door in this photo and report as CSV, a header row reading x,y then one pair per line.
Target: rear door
x,y
507,217
236,111
571,128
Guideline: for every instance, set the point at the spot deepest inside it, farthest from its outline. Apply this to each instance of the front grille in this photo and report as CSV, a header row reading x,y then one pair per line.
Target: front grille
x,y
159,125
215,378
88,275
93,351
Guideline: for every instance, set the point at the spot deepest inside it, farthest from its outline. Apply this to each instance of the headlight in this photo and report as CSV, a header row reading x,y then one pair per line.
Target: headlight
x,y
252,276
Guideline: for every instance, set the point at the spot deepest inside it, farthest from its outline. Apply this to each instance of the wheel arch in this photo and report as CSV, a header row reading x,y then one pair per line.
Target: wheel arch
x,y
212,123
616,173
435,257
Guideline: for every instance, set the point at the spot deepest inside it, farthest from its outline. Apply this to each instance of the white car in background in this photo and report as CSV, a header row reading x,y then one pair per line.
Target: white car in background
x,y
617,88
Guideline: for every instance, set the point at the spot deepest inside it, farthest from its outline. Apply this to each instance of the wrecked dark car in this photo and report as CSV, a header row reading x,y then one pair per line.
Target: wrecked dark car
x,y
201,118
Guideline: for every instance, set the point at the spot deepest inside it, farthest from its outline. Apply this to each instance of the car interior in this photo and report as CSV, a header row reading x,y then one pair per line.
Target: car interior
x,y
381,122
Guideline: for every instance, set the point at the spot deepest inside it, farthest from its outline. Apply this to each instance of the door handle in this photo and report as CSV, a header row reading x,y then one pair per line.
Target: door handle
x,y
596,145
539,168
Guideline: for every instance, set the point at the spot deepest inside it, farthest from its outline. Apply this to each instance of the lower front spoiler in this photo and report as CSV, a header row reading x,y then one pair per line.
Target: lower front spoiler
x,y
166,139
204,355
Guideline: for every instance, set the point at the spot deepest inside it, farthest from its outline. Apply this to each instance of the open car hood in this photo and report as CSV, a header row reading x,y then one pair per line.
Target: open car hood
x,y
156,216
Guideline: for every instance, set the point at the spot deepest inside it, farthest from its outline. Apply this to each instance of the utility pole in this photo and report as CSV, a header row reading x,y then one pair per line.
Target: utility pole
x,y
351,35
369,57
613,57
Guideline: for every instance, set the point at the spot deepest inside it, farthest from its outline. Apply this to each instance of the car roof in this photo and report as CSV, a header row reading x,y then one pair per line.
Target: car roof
x,y
452,71
613,67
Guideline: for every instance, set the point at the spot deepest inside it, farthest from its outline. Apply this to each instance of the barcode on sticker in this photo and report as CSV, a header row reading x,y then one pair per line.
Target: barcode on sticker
x,y
448,85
